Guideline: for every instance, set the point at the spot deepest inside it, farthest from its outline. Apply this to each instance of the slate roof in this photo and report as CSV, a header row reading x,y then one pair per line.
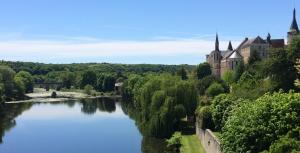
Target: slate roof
x,y
277,43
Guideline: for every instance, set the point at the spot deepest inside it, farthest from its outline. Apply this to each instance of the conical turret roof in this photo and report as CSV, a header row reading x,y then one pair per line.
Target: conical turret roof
x,y
294,25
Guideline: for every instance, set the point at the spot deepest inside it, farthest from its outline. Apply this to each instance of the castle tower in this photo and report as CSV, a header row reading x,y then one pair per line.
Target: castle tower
x,y
216,59
294,29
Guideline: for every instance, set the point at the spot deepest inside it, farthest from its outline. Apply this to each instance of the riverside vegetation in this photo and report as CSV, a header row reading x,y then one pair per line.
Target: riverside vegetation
x,y
255,108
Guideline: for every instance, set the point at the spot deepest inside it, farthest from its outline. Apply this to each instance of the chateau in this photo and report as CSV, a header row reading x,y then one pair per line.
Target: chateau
x,y
221,61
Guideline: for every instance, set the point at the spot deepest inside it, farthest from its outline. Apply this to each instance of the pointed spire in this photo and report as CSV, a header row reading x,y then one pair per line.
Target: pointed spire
x,y
294,25
217,43
230,46
269,38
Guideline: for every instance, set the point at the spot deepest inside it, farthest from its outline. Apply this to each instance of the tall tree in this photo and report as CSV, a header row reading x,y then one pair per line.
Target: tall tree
x,y
239,71
27,80
293,49
182,73
7,78
88,77
281,70
203,70
254,57
297,82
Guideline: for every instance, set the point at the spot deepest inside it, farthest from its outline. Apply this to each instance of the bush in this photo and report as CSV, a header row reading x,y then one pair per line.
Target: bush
x,y
215,89
205,116
203,70
88,89
253,126
174,143
221,106
287,144
228,77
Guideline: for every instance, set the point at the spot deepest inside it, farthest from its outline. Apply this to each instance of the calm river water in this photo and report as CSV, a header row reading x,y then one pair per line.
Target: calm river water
x,y
88,126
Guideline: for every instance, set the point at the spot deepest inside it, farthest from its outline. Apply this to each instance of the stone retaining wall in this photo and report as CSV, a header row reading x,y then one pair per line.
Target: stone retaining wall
x,y
208,140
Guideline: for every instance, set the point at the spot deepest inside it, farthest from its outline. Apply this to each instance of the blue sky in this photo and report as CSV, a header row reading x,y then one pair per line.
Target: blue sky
x,y
133,31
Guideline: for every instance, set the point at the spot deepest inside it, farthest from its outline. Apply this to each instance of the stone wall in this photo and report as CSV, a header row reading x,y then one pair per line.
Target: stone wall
x,y
208,140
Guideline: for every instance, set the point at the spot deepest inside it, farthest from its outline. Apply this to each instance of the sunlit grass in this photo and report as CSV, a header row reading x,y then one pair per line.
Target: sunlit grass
x,y
191,144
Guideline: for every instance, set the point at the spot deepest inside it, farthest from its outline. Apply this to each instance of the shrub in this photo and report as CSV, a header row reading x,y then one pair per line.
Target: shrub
x,y
215,89
228,77
88,89
253,126
221,106
203,70
287,144
174,143
205,116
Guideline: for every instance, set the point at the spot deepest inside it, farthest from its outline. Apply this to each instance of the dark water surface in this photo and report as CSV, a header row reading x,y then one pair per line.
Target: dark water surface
x,y
89,126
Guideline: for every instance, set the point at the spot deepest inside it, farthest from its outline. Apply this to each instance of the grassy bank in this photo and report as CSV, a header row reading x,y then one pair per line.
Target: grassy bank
x,y
191,144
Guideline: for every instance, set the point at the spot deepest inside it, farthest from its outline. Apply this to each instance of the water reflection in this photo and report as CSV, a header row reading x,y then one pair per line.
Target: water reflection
x,y
105,126
90,106
8,113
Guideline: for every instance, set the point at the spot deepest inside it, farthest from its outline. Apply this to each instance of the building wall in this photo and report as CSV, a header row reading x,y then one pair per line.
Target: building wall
x,y
291,36
214,63
262,50
245,53
208,140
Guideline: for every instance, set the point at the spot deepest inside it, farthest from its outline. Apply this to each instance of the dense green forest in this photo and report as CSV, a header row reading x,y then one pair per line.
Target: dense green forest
x,y
18,78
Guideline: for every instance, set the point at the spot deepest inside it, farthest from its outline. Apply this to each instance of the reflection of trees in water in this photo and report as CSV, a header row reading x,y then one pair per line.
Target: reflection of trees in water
x,y
8,113
149,145
90,106
107,105
153,145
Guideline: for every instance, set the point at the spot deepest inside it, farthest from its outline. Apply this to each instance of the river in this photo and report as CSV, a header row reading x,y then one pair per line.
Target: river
x,y
81,126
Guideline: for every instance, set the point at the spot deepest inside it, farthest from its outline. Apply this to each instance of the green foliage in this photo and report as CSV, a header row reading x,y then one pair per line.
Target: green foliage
x,y
281,70
108,83
203,70
27,80
88,89
19,87
289,143
293,49
160,102
250,86
88,78
215,89
174,143
68,79
297,82
204,83
182,73
253,126
229,77
205,116
7,79
221,106
239,70
254,57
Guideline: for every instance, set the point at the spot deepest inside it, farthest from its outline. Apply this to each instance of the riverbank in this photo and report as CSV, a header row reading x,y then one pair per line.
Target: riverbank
x,y
41,95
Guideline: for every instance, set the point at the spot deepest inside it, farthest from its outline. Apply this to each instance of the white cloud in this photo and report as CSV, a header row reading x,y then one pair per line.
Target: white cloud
x,y
50,50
